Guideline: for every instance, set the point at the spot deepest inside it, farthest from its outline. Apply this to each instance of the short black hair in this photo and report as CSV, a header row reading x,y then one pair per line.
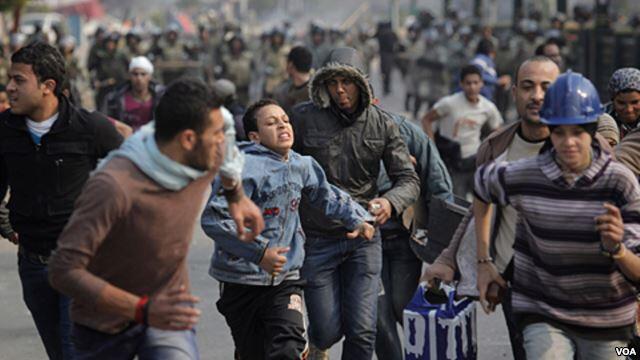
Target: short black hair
x,y
185,104
301,58
485,47
550,41
469,70
554,41
46,62
249,121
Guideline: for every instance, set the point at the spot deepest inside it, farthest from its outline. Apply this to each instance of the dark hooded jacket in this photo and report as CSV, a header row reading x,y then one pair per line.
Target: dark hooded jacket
x,y
350,147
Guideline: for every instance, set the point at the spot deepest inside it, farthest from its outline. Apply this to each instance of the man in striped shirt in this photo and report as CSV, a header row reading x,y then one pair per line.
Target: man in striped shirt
x,y
521,139
577,235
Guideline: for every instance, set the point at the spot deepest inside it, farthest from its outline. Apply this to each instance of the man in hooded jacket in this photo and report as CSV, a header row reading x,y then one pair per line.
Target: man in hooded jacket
x,y
342,130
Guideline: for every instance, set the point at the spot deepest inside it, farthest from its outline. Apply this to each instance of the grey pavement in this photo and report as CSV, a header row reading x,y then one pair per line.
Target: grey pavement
x,y
19,339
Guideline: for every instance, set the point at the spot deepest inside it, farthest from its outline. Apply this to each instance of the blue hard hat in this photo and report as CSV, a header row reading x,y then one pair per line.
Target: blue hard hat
x,y
571,100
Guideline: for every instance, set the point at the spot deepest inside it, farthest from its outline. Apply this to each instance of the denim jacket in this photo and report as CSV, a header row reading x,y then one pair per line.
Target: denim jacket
x,y
275,186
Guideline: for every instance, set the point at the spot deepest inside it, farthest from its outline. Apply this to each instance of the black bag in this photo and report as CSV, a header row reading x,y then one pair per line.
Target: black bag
x,y
467,165
449,151
444,218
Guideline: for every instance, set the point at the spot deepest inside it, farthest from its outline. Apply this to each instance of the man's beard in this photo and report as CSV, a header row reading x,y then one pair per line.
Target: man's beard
x,y
198,158
531,122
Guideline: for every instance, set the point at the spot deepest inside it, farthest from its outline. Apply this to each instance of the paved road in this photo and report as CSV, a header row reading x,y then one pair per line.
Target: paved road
x,y
19,340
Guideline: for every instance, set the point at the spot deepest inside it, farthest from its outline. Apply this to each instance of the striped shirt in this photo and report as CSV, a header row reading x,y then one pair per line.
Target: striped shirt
x,y
559,271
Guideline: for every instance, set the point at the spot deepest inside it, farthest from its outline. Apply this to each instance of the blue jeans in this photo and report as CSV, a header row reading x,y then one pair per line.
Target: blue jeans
x,y
49,309
145,342
400,276
343,278
543,341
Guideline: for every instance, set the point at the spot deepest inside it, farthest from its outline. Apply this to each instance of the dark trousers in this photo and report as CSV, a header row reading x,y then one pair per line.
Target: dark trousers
x,y
386,67
136,341
400,276
49,309
92,344
463,177
267,322
515,335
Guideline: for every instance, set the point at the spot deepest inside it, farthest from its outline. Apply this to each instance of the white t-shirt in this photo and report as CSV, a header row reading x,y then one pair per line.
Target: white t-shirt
x,y
519,149
462,121
39,128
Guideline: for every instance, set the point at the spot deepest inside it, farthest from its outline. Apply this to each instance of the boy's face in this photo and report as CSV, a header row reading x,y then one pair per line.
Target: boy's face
x,y
471,85
274,130
4,101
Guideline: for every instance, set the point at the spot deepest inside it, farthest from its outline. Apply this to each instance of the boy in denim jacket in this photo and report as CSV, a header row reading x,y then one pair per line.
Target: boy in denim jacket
x,y
261,290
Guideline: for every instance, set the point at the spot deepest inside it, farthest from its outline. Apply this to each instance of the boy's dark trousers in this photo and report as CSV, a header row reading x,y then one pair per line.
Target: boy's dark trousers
x,y
267,322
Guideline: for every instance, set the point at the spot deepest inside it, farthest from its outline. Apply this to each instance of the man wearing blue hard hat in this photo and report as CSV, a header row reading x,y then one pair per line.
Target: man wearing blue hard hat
x,y
577,236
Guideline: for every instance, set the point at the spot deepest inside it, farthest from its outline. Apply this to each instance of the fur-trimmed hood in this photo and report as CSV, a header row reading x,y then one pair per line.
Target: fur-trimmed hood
x,y
344,61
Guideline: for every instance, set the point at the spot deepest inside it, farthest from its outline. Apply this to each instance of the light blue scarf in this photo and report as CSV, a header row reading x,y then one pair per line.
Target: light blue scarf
x,y
142,150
